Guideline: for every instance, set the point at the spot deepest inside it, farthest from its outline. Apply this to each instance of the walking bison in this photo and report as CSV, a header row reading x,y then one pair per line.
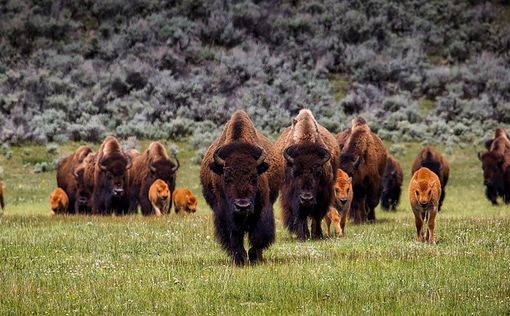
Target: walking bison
x,y
236,175
391,183
363,157
59,202
110,179
339,210
154,163
159,196
311,155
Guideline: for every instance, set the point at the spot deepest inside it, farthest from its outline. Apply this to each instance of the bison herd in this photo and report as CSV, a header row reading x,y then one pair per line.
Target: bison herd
x,y
319,176
113,181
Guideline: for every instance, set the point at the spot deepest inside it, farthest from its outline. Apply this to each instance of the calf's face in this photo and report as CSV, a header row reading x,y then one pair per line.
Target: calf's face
x,y
240,166
343,188
423,193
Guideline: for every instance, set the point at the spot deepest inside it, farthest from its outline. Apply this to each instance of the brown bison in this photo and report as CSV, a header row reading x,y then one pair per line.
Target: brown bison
x,y
148,166
501,134
391,183
184,201
84,177
236,175
363,157
311,155
424,192
339,210
496,168
65,177
434,161
159,196
59,201
110,179
2,204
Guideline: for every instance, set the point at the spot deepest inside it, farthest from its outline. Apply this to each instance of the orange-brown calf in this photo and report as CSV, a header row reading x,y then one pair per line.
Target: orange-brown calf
x,y
339,211
159,196
424,193
184,201
59,201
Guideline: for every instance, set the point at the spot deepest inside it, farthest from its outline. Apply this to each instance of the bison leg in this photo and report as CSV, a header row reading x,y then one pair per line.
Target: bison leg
x,y
316,228
2,202
237,248
261,235
431,225
146,206
441,198
419,223
328,224
230,240
492,195
302,229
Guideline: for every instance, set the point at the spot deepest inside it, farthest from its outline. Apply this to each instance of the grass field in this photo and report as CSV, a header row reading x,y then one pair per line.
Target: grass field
x,y
173,265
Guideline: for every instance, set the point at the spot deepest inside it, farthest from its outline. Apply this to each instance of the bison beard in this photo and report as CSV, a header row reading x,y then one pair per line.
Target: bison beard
x,y
307,189
241,201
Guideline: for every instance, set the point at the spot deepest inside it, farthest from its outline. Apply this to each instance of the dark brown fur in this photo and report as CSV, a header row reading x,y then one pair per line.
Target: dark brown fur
x,y
110,179
307,190
363,157
434,161
240,188
391,183
154,163
2,204
84,177
65,174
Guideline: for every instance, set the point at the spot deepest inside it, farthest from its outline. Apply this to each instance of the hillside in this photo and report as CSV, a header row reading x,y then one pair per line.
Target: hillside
x,y
416,69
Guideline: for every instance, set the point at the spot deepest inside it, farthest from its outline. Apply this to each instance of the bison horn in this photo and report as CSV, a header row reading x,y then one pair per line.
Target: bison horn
x,y
287,156
101,165
356,162
327,156
217,159
176,167
261,157
151,167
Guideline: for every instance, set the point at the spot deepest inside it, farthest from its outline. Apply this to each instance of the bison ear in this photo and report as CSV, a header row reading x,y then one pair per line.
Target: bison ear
x,y
261,168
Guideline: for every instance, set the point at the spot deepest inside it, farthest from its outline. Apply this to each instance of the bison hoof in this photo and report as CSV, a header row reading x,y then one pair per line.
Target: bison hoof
x,y
255,255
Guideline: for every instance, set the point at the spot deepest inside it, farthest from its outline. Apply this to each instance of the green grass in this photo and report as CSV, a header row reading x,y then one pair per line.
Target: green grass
x,y
340,86
173,265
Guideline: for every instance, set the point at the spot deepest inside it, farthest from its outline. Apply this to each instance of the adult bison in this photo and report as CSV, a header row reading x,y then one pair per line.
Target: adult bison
x,y
110,179
65,178
363,157
311,154
149,166
236,176
496,168
434,161
84,177
391,183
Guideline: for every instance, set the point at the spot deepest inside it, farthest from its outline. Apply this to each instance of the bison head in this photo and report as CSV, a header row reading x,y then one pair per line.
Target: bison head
x,y
350,163
343,188
305,166
114,167
388,180
492,165
240,165
84,188
423,192
165,170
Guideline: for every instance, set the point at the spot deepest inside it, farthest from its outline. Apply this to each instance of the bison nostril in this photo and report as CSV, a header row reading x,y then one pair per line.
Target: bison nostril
x,y
242,203
343,201
306,197
118,191
164,197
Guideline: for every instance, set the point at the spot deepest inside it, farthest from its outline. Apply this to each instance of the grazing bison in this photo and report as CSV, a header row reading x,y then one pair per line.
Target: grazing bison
x,y
2,204
496,167
434,161
236,175
184,201
59,201
110,179
311,155
339,210
148,166
65,177
159,196
84,177
363,157
391,183
424,192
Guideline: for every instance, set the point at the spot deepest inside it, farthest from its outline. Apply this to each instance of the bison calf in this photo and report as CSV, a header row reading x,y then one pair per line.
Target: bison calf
x,y
424,195
59,202
159,196
436,163
339,211
391,183
184,201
